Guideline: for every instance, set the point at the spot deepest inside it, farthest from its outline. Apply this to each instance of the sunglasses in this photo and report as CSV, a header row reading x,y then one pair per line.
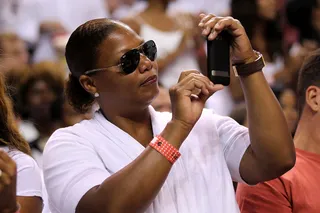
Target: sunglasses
x,y
130,60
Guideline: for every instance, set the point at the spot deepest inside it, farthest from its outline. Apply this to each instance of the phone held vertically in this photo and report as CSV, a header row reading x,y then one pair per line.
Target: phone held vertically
x,y
218,60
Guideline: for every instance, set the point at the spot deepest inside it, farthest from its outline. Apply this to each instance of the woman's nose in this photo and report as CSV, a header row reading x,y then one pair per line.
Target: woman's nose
x,y
145,63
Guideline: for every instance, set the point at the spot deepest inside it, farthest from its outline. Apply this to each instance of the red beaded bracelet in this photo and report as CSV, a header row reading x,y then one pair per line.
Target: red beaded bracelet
x,y
165,148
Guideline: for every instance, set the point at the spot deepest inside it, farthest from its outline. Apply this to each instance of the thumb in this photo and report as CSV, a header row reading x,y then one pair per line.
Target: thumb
x,y
215,88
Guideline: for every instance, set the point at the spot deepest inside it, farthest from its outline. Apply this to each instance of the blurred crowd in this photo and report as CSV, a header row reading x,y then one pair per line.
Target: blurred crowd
x,y
33,35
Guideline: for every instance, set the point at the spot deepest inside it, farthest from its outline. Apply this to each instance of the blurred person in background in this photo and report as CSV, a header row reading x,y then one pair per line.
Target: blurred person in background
x,y
21,17
304,17
38,93
58,18
263,28
288,101
218,7
179,40
298,189
13,51
120,9
20,177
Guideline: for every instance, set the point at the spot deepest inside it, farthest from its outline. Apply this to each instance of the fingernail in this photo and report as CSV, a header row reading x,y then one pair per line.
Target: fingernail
x,y
205,32
211,37
200,24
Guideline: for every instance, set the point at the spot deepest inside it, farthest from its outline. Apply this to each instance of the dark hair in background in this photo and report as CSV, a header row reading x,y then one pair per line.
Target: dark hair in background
x,y
82,53
49,72
13,79
9,133
309,75
246,11
299,15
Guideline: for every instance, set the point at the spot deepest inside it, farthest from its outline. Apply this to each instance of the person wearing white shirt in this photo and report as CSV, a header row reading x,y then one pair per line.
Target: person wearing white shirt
x,y
130,158
60,18
20,176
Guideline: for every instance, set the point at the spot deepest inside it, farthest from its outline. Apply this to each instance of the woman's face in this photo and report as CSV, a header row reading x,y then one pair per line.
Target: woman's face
x,y
40,98
267,9
117,88
17,51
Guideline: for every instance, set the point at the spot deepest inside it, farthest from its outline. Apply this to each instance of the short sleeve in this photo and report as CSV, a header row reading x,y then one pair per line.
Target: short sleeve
x,y
235,141
29,181
71,168
264,197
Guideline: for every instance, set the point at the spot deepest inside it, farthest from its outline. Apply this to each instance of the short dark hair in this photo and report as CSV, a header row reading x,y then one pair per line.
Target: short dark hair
x,y
82,53
309,75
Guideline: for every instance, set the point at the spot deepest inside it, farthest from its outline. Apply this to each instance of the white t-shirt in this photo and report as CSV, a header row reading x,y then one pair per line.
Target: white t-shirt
x,y
80,157
29,182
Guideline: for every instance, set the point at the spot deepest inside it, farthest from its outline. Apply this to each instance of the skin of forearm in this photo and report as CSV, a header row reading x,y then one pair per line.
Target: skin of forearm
x,y
271,142
133,188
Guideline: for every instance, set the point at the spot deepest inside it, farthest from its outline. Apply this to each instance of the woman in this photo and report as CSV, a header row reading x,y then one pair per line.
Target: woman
x,y
39,93
263,28
179,41
122,159
16,165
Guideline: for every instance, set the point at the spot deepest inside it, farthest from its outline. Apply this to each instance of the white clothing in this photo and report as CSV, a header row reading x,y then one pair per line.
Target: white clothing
x,y
271,69
168,42
70,14
217,7
221,102
29,177
28,174
22,19
124,10
80,157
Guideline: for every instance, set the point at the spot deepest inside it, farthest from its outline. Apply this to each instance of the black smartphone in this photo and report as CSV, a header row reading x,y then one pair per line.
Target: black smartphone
x,y
218,59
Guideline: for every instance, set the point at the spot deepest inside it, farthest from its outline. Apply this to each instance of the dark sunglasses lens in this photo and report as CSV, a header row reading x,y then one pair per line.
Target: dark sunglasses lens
x,y
150,50
130,61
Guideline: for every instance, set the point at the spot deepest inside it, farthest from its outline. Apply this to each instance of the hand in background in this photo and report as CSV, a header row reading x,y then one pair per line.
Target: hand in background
x,y
8,181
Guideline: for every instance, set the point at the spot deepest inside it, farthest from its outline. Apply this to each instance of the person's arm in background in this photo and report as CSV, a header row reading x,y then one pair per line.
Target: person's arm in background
x,y
265,197
271,152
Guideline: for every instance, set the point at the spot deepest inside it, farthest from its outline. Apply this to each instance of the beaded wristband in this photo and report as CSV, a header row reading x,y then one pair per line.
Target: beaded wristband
x,y
165,148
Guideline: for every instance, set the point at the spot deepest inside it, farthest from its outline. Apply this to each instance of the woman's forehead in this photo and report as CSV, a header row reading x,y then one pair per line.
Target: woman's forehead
x,y
121,40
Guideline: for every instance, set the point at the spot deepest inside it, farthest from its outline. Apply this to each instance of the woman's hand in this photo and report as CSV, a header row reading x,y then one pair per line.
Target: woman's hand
x,y
188,97
241,48
8,181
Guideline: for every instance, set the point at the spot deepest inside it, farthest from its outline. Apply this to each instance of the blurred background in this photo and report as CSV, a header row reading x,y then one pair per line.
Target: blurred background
x,y
33,35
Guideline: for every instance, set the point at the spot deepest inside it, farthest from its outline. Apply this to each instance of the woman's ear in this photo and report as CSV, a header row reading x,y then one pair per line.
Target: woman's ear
x,y
313,98
88,84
